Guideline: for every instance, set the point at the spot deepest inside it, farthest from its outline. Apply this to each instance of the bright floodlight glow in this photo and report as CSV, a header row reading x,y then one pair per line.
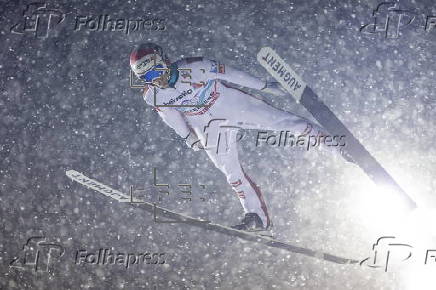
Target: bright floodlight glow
x,y
381,209
419,277
420,233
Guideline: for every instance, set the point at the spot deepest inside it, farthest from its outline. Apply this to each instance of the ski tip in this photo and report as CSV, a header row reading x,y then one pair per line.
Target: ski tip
x,y
72,173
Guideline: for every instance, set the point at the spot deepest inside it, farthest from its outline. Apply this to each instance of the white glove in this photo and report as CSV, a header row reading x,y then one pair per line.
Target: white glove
x,y
273,88
193,142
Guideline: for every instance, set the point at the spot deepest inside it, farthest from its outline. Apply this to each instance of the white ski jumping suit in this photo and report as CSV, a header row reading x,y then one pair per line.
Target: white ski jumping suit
x,y
197,81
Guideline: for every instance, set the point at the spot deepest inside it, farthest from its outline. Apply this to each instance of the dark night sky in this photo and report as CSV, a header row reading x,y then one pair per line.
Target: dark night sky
x,y
65,103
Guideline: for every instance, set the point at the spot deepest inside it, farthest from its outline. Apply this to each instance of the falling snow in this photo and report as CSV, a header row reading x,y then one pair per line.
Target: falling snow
x,y
66,104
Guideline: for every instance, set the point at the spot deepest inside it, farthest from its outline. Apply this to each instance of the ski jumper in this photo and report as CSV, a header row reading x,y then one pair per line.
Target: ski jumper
x,y
199,101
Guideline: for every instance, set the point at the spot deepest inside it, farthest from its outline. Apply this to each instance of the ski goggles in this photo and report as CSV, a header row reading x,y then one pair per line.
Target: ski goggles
x,y
152,73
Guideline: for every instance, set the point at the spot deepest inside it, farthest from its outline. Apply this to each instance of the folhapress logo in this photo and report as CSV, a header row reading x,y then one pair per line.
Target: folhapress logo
x,y
389,20
108,23
106,257
38,19
38,255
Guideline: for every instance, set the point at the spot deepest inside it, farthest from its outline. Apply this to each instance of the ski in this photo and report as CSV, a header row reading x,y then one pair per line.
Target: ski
x,y
304,95
207,225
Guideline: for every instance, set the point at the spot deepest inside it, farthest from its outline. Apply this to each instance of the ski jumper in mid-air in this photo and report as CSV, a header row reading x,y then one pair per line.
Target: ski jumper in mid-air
x,y
191,98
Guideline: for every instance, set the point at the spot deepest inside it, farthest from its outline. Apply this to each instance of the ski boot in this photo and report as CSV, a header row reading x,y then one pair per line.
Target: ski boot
x,y
251,222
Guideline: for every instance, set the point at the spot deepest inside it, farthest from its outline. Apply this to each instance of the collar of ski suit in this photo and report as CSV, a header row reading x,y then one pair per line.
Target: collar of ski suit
x,y
174,75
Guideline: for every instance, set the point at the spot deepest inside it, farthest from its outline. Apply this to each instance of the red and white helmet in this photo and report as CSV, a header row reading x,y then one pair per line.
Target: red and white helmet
x,y
145,58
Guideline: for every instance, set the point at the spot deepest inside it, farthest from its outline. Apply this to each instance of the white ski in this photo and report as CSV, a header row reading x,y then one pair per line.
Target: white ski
x,y
181,218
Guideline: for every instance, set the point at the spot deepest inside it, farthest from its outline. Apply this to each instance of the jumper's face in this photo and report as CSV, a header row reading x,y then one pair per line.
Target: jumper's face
x,y
146,63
